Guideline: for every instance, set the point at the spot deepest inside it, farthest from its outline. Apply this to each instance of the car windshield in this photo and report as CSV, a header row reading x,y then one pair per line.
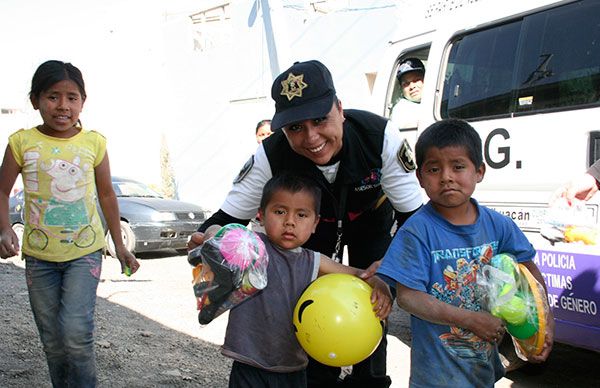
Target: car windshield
x,y
134,189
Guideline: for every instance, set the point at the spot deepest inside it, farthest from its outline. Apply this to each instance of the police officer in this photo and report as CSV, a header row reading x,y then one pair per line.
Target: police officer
x,y
410,76
365,170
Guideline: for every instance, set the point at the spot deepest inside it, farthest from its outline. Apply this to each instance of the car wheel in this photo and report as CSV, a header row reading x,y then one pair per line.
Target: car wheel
x,y
128,239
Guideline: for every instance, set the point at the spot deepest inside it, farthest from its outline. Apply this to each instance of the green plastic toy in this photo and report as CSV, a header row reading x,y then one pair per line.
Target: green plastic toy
x,y
512,304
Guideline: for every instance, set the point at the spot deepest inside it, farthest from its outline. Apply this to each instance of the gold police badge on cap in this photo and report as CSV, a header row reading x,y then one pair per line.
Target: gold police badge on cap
x,y
293,86
405,157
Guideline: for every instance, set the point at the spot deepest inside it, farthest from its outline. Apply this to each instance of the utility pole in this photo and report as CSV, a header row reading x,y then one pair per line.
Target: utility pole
x,y
275,33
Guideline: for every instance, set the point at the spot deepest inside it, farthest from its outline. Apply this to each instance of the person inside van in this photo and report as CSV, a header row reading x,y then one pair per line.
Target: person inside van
x,y
410,76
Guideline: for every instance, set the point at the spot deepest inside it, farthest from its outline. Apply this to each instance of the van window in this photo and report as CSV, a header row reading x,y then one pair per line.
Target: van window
x,y
560,65
479,76
548,60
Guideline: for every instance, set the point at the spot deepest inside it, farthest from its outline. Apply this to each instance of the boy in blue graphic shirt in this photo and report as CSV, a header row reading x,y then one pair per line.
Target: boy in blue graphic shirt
x,y
434,259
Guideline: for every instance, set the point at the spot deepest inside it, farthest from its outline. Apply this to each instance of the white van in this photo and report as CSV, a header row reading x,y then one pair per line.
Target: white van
x,y
526,75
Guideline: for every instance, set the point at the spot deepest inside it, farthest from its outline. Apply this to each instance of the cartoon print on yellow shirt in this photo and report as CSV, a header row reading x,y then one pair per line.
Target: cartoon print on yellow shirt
x,y
66,207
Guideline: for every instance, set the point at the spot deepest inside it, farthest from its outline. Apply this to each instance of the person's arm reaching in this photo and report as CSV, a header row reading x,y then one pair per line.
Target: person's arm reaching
x,y
594,170
584,187
381,296
215,221
221,218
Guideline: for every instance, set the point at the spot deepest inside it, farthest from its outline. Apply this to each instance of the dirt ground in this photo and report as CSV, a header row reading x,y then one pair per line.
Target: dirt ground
x,y
144,327
147,335
147,332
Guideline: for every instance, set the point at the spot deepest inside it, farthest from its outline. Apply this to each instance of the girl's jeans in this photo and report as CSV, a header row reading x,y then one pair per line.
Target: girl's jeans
x,y
63,299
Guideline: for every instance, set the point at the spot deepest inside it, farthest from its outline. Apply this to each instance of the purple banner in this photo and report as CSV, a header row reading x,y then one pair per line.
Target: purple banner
x,y
573,282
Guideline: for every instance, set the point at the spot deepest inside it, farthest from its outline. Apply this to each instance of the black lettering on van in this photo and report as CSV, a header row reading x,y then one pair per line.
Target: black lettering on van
x,y
502,152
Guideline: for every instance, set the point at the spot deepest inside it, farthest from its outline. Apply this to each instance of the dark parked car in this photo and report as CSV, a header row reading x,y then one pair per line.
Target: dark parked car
x,y
148,221
15,213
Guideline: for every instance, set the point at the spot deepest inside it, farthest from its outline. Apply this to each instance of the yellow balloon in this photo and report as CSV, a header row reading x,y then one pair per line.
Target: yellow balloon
x,y
335,322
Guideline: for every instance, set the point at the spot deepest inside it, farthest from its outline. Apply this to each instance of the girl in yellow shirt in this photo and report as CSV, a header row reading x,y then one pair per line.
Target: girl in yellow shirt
x,y
63,166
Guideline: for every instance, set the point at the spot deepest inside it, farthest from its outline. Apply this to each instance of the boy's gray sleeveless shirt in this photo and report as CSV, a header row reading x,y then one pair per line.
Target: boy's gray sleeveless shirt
x,y
260,331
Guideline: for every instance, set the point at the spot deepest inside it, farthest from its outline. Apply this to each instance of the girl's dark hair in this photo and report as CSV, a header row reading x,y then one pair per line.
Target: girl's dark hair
x,y
51,72
293,183
450,133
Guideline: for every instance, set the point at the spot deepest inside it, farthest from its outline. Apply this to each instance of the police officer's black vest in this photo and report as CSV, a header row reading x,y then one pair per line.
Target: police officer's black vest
x,y
359,169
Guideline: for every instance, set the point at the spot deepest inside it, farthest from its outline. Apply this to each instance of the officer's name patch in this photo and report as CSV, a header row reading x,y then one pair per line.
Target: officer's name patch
x,y
245,170
406,157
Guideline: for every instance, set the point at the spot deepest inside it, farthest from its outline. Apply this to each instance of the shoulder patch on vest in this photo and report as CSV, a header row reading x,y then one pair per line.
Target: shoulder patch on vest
x,y
245,170
405,157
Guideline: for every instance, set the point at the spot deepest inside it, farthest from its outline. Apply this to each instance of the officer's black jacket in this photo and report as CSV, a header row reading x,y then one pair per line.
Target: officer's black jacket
x,y
359,170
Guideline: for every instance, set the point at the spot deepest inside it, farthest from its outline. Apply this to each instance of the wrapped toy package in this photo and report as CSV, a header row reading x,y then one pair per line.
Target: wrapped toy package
x,y
570,223
511,293
228,269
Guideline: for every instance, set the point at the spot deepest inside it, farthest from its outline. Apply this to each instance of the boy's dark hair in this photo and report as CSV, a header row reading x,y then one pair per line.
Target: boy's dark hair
x,y
51,72
293,183
450,133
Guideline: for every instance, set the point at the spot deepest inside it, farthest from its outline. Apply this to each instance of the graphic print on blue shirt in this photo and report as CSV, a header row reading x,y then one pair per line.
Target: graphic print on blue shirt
x,y
459,288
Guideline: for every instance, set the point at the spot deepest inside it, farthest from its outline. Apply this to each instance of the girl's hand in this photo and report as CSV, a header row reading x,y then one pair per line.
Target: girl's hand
x,y
381,297
9,243
129,264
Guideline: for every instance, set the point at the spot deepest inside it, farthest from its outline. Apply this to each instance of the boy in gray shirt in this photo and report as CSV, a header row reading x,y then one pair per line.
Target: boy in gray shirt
x,y
260,333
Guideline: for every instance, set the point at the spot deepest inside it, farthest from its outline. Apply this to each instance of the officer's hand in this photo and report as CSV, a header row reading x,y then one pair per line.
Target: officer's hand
x,y
371,270
196,239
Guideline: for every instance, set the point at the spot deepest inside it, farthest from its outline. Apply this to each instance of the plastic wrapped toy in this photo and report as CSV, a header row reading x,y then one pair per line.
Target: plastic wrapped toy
x,y
514,295
228,269
570,223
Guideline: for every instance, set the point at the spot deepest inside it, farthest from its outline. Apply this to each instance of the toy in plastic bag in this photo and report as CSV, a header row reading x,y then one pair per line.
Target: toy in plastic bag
x,y
511,293
228,269
570,223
